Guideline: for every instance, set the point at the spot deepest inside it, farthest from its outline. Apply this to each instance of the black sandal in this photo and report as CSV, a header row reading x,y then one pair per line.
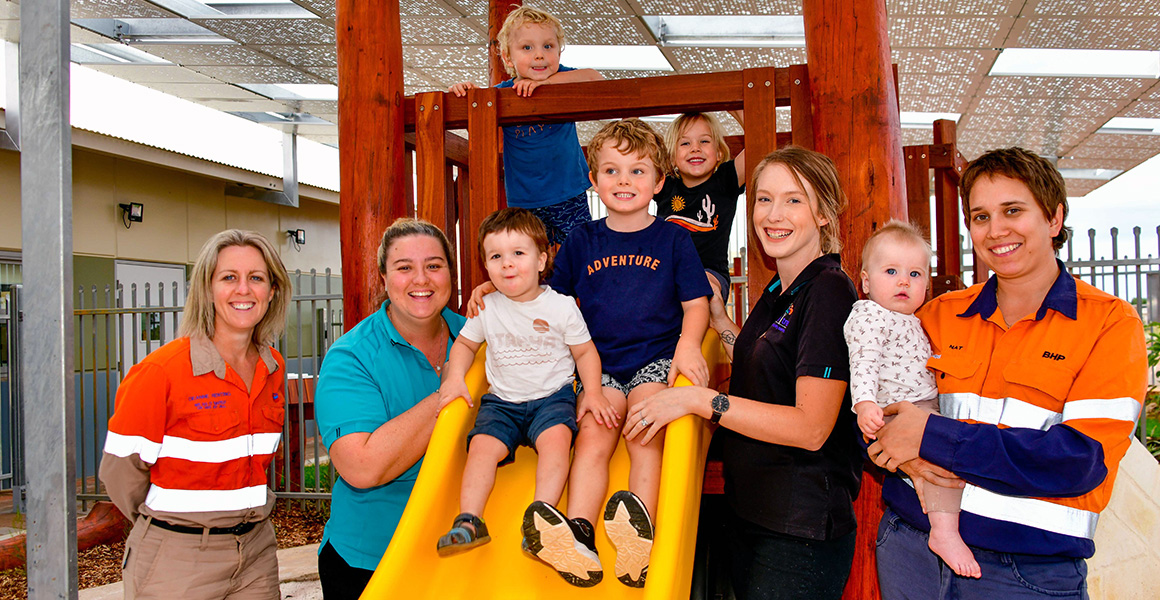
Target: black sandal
x,y
462,539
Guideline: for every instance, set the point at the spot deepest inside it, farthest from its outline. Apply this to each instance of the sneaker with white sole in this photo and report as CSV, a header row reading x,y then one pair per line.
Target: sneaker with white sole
x,y
629,527
555,540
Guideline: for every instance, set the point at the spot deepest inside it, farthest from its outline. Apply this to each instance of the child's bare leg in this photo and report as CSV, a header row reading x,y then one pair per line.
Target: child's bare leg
x,y
479,474
553,446
644,471
944,540
595,444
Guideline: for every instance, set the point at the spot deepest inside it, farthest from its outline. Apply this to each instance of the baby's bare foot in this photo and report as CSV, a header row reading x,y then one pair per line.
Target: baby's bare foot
x,y
951,548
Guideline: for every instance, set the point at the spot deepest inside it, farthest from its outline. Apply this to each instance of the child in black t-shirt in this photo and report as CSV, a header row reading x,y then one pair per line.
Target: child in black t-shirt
x,y
701,195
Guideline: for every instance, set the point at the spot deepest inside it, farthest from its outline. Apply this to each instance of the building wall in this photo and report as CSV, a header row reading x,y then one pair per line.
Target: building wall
x,y
182,211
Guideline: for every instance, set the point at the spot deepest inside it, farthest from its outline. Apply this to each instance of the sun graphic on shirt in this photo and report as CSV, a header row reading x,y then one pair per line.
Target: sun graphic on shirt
x,y
678,204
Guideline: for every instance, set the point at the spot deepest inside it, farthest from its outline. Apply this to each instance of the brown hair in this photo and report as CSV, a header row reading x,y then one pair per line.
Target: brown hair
x,y
899,231
520,220
685,121
819,171
629,136
517,18
198,317
406,227
1040,177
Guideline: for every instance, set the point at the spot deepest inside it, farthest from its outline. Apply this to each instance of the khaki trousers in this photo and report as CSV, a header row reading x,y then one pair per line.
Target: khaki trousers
x,y
166,564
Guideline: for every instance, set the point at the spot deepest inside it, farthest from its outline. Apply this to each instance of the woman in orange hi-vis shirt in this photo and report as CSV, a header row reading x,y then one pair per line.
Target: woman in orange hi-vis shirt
x,y
1042,376
195,428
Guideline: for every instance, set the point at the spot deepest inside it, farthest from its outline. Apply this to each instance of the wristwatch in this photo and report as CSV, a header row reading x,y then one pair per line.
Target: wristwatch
x,y
720,405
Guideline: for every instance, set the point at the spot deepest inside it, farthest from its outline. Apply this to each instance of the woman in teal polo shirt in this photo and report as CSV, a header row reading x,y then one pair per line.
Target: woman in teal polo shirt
x,y
376,402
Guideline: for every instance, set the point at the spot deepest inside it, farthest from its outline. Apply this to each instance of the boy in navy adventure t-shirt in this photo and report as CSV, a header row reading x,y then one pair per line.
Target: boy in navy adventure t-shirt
x,y
643,293
544,168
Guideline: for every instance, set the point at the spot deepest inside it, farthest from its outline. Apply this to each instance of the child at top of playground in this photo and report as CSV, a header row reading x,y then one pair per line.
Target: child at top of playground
x,y
701,195
536,340
643,294
888,354
544,168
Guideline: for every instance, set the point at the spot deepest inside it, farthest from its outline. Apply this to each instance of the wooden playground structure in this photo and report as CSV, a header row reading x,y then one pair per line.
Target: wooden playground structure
x,y
843,103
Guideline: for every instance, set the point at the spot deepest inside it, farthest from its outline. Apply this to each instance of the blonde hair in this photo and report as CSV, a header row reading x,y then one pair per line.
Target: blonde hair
x,y
819,171
198,317
685,121
899,231
406,227
629,136
524,15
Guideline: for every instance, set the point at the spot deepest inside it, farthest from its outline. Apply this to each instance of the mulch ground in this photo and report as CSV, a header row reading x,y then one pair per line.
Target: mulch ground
x,y
294,525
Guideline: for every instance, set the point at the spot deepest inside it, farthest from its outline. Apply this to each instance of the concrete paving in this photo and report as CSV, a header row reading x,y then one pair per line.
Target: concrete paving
x,y
297,571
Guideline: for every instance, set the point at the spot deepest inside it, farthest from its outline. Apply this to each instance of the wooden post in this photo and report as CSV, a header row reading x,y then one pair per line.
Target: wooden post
x,y
855,109
430,161
370,65
947,211
856,123
497,13
801,112
918,188
483,135
760,93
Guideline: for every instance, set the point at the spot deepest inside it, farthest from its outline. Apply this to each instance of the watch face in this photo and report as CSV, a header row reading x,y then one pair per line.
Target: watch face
x,y
720,403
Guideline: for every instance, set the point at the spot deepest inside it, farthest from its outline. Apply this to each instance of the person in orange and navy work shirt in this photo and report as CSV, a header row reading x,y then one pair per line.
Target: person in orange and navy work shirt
x,y
195,428
1043,377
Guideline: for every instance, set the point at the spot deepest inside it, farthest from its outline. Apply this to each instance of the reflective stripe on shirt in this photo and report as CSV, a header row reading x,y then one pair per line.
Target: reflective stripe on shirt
x,y
1036,513
219,451
176,501
126,445
1012,412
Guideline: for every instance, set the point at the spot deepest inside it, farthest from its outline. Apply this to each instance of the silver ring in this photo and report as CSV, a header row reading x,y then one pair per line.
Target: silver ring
x,y
645,422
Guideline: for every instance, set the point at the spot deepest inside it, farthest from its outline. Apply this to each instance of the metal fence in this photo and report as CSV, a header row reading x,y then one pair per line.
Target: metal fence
x,y
11,440
109,323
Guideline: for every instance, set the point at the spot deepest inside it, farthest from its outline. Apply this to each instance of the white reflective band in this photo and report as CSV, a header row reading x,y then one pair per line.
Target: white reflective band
x,y
1120,409
161,499
127,445
1032,512
1000,411
220,451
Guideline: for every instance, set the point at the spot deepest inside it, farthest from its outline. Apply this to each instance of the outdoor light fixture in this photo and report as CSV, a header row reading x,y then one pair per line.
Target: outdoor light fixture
x,y
132,213
297,238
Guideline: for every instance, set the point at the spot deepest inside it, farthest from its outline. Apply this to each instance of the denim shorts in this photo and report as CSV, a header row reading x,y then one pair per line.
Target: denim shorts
x,y
656,371
520,423
560,218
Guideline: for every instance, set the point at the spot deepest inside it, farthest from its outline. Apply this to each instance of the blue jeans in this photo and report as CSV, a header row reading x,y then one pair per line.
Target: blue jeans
x,y
766,565
907,569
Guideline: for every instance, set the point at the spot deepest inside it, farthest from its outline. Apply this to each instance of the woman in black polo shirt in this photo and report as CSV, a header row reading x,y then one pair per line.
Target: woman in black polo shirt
x,y
791,458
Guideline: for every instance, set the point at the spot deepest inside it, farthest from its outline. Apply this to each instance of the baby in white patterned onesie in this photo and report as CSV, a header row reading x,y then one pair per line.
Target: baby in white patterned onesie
x,y
888,354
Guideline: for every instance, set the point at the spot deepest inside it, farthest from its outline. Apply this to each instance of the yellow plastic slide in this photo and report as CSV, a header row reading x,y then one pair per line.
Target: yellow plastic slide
x,y
411,568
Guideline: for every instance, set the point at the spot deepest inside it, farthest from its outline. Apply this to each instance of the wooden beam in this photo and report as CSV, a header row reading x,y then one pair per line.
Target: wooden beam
x,y
948,156
760,88
918,187
591,100
483,135
497,13
370,65
430,161
455,148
